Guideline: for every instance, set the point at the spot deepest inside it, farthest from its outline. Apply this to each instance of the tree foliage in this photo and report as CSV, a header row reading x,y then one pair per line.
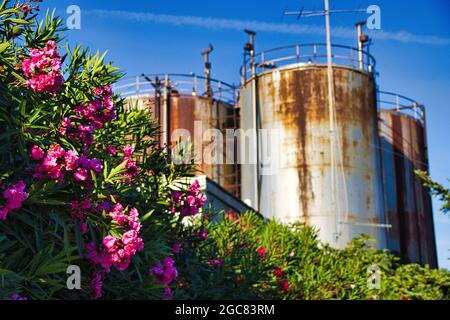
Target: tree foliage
x,y
436,189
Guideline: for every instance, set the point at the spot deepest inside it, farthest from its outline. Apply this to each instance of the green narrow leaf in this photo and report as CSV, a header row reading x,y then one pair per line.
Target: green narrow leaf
x,y
4,46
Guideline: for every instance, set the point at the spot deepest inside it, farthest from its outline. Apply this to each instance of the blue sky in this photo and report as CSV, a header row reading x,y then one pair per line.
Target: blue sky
x,y
412,49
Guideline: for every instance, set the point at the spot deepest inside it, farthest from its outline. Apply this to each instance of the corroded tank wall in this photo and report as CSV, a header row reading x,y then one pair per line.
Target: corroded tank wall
x,y
198,115
185,111
294,101
408,202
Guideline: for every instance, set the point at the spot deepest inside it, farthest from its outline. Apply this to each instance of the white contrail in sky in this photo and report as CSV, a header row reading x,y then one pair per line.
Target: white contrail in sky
x,y
287,28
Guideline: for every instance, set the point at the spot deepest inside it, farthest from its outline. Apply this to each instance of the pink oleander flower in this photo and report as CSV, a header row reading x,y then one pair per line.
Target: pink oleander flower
x,y
50,49
111,150
95,165
51,165
81,175
203,235
189,203
97,284
110,243
14,197
117,213
277,272
262,252
164,272
71,160
45,83
133,220
118,252
28,8
83,134
57,161
56,151
215,262
36,153
43,69
100,111
175,248
17,297
284,286
79,211
131,169
230,215
66,124
128,150
168,293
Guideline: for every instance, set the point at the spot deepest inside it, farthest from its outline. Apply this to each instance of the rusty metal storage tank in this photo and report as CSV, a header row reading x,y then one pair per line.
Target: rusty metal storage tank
x,y
404,149
195,106
336,187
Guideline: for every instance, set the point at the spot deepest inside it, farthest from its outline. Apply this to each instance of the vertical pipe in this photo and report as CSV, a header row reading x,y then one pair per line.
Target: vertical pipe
x,y
157,97
207,76
165,114
219,156
255,113
244,70
255,151
360,46
205,54
331,110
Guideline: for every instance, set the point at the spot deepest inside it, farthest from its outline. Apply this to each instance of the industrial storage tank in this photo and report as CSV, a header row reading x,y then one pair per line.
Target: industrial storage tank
x,y
404,149
195,106
327,177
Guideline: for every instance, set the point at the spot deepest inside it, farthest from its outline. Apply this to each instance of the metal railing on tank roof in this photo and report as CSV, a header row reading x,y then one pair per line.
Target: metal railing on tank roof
x,y
396,102
183,84
307,54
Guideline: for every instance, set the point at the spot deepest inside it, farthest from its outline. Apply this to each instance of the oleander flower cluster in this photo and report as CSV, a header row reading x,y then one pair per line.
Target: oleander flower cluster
x,y
99,111
164,274
43,69
131,169
117,252
88,117
187,203
27,7
18,297
57,163
13,196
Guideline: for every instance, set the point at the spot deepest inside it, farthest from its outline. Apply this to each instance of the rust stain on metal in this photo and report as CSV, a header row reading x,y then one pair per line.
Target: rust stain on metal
x,y
410,209
294,114
296,100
